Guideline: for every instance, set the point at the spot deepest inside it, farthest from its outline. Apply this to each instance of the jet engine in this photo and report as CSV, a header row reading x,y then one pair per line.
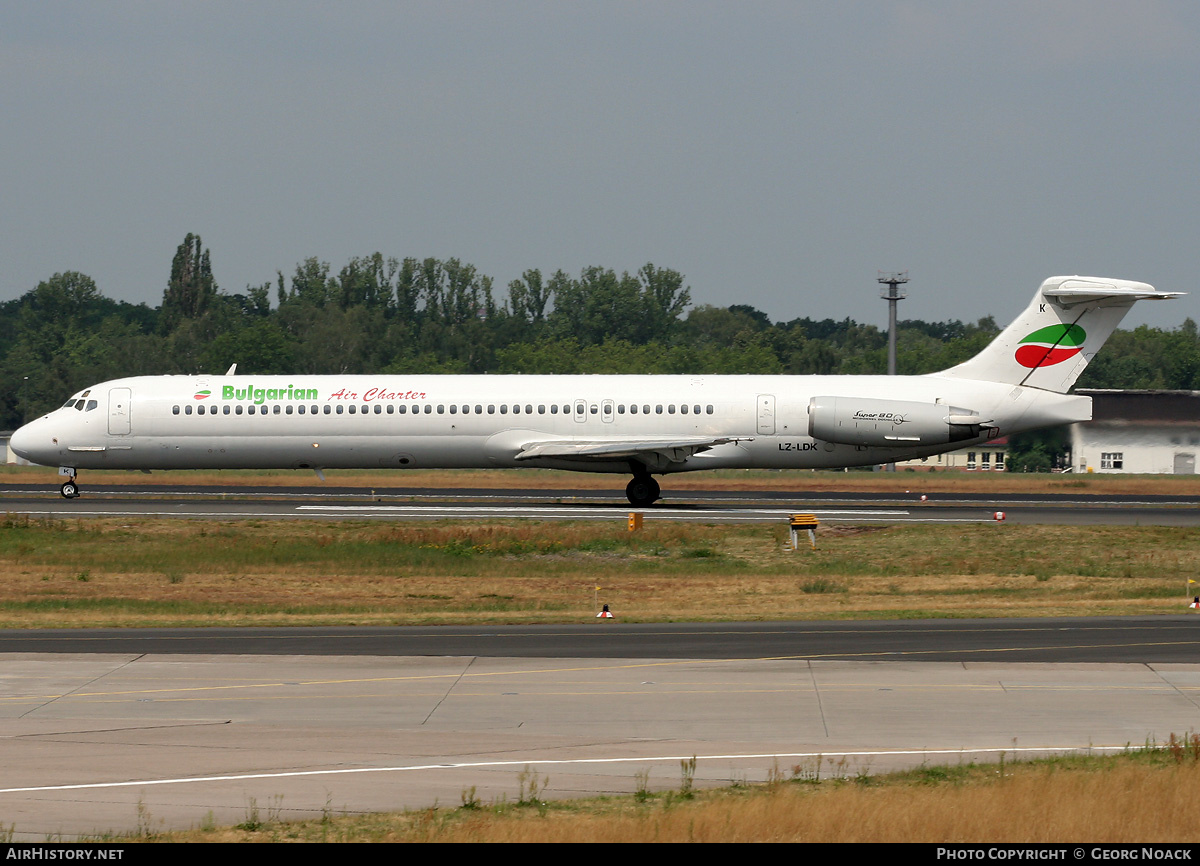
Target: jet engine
x,y
889,423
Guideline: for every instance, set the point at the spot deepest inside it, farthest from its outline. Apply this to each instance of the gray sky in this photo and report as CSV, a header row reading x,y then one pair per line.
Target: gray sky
x,y
777,154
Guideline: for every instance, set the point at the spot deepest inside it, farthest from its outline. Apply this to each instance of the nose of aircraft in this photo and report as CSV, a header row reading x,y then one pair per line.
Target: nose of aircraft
x,y
25,441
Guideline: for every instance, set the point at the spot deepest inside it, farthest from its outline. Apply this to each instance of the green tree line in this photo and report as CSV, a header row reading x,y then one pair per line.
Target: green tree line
x,y
381,314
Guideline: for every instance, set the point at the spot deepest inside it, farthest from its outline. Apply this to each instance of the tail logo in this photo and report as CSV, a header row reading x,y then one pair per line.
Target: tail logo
x,y
1052,345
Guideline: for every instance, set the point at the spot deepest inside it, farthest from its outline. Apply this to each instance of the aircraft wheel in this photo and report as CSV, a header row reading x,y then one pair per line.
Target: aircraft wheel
x,y
69,490
642,491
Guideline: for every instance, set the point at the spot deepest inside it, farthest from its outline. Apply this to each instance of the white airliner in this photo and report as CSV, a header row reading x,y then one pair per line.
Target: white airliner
x,y
635,425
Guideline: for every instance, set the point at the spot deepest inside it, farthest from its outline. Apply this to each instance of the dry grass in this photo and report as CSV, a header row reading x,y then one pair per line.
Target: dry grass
x,y
726,479
177,572
1043,805
1143,798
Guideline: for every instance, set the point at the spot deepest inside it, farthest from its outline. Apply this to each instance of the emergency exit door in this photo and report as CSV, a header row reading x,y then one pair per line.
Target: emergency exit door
x,y
766,414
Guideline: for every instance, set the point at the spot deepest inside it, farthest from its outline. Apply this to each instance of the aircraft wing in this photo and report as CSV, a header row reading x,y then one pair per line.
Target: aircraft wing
x,y
672,450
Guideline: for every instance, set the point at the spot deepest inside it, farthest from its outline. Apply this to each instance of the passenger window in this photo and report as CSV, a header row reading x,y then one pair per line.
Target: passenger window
x,y
646,409
174,410
528,409
683,409
275,411
340,408
441,409
225,410
428,408
402,409
541,408
516,408
491,408
391,410
239,410
379,409
353,408
503,408
187,410
553,408
633,408
709,409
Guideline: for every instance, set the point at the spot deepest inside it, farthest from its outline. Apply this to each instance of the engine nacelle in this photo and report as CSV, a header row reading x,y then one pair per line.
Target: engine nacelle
x,y
889,423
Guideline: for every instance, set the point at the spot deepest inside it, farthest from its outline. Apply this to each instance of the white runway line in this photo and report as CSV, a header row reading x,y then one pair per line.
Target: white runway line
x,y
537,763
615,512
452,512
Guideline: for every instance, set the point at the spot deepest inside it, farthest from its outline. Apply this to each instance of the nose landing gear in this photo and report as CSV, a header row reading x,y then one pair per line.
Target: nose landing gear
x,y
70,488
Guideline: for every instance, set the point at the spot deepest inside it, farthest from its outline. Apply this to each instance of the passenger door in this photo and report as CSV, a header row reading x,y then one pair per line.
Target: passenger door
x,y
120,402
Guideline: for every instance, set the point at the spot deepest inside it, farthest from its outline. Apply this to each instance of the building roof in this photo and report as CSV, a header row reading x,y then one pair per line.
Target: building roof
x,y
1145,407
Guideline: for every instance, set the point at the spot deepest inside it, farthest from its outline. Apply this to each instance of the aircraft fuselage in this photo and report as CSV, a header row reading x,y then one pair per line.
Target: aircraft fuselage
x,y
451,422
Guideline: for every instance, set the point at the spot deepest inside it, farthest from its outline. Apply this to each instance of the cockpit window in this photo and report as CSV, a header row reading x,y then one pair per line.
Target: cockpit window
x,y
79,403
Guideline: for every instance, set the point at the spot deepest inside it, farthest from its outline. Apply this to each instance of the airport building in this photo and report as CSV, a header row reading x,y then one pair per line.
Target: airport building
x,y
988,457
9,457
1138,432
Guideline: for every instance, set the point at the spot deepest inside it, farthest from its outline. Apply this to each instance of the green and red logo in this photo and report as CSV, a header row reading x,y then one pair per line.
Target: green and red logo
x,y
200,395
1046,347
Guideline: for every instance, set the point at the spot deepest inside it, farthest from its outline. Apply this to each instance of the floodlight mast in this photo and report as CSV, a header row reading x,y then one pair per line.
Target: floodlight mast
x,y
892,294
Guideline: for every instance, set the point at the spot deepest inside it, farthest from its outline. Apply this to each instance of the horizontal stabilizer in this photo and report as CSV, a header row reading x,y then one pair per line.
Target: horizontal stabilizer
x,y
1089,290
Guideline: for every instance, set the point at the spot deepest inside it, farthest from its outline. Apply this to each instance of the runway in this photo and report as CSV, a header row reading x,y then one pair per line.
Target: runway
x,y
115,731
396,504
119,730
1090,640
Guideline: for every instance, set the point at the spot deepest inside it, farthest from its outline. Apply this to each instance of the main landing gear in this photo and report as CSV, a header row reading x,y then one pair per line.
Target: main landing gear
x,y
642,490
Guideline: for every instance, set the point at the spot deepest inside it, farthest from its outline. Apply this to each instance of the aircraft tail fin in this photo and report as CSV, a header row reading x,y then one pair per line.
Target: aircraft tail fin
x,y
1063,328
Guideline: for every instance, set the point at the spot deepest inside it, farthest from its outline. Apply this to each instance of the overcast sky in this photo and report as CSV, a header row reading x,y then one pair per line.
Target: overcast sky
x,y
776,153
